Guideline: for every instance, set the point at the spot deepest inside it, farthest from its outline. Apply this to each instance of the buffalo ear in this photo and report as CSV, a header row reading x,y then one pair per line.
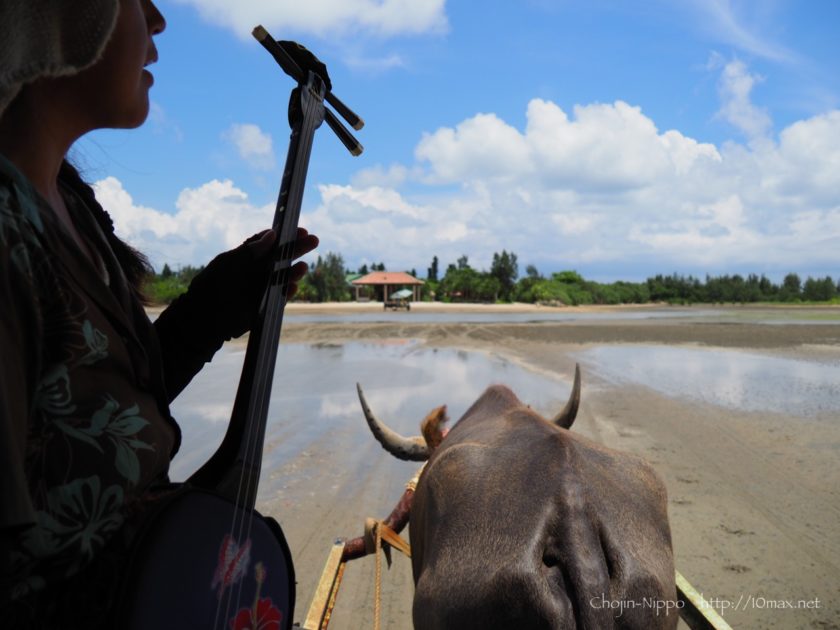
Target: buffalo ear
x,y
432,427
565,418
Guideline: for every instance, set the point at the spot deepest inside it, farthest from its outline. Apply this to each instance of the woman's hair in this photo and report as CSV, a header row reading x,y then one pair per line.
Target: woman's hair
x,y
134,264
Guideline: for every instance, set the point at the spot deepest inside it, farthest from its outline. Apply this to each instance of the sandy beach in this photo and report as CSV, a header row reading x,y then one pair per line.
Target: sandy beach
x,y
754,497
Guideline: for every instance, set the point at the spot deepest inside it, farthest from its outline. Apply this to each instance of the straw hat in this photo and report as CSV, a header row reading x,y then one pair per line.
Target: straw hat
x,y
50,38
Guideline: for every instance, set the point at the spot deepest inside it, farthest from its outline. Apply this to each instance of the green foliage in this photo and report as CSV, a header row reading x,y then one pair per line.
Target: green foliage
x,y
792,285
461,283
430,290
567,277
327,280
542,291
432,271
163,288
306,291
505,270
821,290
737,289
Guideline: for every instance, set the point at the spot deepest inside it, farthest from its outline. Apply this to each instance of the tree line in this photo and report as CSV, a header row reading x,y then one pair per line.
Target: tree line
x,y
326,281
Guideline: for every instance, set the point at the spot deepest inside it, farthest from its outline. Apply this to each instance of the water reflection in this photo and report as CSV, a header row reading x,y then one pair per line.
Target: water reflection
x,y
314,405
727,378
419,316
773,317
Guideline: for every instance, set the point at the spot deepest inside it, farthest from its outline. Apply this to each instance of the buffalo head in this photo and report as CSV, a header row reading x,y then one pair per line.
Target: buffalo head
x,y
419,448
517,522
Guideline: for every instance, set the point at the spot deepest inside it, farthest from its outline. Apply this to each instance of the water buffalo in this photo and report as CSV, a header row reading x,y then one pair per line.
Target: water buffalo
x,y
517,522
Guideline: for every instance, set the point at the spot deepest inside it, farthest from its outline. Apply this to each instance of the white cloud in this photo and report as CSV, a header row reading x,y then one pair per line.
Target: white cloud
x,y
600,188
130,219
375,65
722,22
209,219
603,147
161,124
392,176
483,145
734,87
326,17
253,145
382,200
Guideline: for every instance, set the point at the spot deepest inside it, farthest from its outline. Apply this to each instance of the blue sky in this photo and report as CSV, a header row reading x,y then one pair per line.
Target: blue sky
x,y
618,139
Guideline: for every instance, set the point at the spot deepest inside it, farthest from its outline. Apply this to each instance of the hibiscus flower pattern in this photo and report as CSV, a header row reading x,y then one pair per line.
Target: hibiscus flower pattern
x,y
96,342
53,396
80,516
121,429
263,615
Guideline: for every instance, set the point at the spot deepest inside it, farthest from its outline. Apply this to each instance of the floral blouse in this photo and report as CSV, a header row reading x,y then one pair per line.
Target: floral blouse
x,y
85,427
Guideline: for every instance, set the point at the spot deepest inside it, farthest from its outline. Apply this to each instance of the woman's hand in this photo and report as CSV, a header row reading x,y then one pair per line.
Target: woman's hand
x,y
221,303
223,298
262,244
231,286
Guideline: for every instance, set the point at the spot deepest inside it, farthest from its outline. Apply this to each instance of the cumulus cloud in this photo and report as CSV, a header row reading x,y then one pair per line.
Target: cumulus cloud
x,y
734,87
598,188
601,187
392,176
212,218
253,145
604,146
326,17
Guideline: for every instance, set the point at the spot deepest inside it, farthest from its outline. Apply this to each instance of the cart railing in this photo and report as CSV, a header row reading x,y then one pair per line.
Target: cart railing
x,y
694,610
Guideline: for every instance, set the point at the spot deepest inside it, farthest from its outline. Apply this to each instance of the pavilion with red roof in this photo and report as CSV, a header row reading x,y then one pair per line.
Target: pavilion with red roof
x,y
389,281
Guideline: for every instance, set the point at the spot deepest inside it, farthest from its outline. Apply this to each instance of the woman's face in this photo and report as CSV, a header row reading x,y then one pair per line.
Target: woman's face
x,y
114,92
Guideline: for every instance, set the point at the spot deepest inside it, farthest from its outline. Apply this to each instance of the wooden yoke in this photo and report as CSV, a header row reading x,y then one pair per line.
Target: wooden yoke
x,y
323,602
396,520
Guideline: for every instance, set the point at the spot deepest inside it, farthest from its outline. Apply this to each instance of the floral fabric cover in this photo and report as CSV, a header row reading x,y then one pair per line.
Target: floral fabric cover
x,y
85,427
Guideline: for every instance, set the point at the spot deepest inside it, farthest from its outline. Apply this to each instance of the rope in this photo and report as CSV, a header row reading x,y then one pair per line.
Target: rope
x,y
374,531
377,585
377,532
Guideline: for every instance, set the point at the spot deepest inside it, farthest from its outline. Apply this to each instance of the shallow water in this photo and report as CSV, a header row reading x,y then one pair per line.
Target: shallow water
x,y
728,378
773,317
425,317
315,408
315,418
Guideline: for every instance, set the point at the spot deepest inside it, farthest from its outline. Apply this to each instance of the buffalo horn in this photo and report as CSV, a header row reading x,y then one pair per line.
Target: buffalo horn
x,y
566,417
412,449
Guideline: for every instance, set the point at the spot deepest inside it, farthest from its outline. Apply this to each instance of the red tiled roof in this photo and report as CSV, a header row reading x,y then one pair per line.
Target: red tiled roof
x,y
387,277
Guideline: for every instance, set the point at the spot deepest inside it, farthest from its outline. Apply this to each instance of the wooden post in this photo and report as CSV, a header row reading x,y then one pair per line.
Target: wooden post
x,y
320,609
696,611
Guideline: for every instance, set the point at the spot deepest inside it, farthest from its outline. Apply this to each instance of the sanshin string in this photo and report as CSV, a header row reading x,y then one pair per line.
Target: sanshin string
x,y
307,112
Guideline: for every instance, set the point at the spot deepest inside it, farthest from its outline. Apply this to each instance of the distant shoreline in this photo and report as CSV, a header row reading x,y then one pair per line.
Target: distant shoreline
x,y
339,308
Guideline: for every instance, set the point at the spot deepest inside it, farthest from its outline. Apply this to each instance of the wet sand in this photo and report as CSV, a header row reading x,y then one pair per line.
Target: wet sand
x,y
754,498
